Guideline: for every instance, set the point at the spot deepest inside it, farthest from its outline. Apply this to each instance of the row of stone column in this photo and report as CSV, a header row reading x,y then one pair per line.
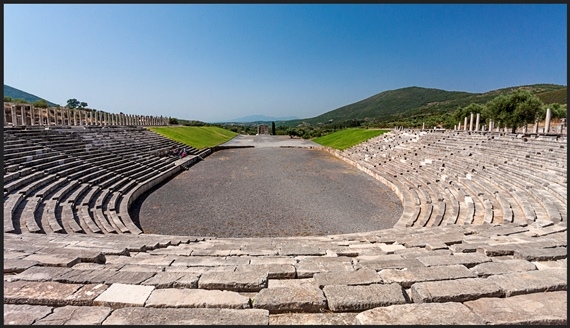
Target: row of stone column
x,y
491,124
22,115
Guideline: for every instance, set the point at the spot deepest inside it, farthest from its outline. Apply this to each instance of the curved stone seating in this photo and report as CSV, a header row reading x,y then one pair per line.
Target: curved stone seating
x,y
481,198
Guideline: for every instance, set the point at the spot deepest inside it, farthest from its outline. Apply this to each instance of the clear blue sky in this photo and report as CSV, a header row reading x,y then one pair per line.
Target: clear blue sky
x,y
215,62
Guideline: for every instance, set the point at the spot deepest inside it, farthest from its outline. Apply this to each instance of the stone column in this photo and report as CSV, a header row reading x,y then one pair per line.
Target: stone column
x,y
490,125
547,122
22,115
465,124
536,127
477,122
33,115
14,116
471,123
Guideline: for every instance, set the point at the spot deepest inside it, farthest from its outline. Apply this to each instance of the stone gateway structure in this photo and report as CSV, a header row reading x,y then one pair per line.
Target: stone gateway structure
x,y
482,239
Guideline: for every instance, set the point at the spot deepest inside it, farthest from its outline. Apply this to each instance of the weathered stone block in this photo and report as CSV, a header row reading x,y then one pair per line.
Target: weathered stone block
x,y
290,299
459,290
420,314
359,298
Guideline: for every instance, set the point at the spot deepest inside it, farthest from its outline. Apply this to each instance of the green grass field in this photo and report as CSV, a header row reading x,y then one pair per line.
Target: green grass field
x,y
199,137
347,138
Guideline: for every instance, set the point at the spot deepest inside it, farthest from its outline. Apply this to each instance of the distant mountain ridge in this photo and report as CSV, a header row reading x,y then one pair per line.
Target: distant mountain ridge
x,y
412,102
19,94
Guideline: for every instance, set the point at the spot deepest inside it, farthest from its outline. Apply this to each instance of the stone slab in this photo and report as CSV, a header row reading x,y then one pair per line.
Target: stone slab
x,y
290,299
540,254
187,316
549,308
167,279
345,318
54,260
531,281
76,315
308,266
466,259
359,298
234,281
17,265
24,314
409,276
349,278
303,282
459,290
274,271
39,293
37,273
501,267
122,295
197,298
378,265
450,313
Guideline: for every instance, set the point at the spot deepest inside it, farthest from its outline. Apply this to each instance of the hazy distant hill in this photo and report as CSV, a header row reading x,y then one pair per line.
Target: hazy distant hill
x,y
405,103
19,94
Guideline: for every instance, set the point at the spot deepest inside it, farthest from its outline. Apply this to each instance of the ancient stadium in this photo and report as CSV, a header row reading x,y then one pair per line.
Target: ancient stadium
x,y
412,227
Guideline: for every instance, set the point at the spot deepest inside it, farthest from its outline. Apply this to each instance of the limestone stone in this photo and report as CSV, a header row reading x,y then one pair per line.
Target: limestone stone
x,y
350,278
38,273
24,314
358,298
449,313
123,295
187,316
273,260
165,279
274,271
540,254
39,293
129,278
530,281
388,264
290,299
310,282
197,298
344,318
467,259
234,281
54,260
459,290
549,308
76,315
17,265
500,267
308,266
408,276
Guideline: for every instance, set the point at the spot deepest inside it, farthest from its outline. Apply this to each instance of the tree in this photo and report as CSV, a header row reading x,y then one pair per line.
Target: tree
x,y
7,99
173,120
516,109
82,104
72,103
41,103
273,128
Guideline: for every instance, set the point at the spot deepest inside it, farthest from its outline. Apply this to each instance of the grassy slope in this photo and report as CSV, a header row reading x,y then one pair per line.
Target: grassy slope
x,y
347,138
196,136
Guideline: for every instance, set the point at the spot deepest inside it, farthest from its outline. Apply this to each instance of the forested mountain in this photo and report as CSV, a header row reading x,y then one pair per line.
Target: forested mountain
x,y
19,94
413,103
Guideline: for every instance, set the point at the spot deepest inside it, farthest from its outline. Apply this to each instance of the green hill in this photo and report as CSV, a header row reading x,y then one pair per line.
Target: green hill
x,y
19,94
416,103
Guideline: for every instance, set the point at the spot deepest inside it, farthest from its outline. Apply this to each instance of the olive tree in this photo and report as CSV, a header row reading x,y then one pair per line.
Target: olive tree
x,y
515,110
